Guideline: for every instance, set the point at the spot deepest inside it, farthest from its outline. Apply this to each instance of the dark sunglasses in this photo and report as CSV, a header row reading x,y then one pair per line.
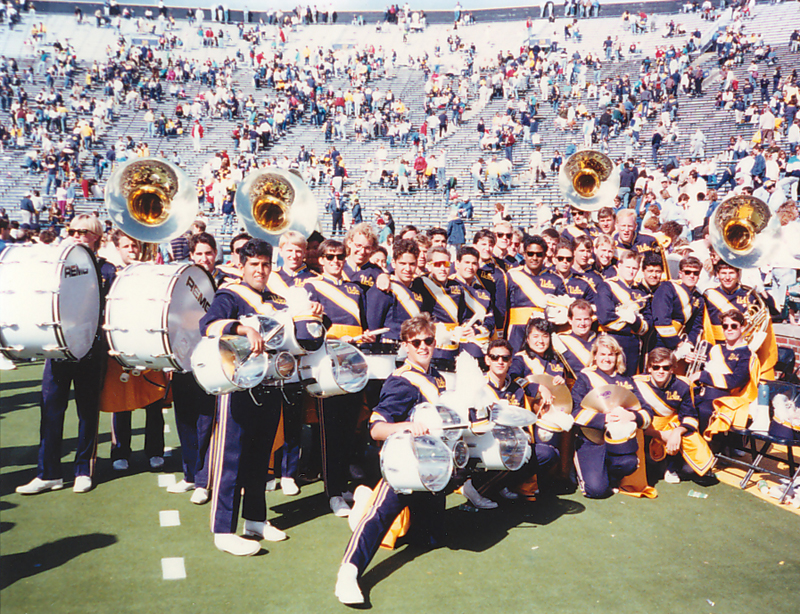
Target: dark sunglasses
x,y
565,258
439,263
81,232
535,254
429,341
660,368
693,273
332,257
504,235
730,326
503,357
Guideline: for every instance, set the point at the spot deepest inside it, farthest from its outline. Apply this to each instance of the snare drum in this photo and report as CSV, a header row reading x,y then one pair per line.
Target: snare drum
x,y
225,364
337,368
416,464
504,448
153,314
50,301
381,358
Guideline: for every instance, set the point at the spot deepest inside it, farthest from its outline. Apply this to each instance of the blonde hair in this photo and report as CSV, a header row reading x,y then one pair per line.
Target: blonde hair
x,y
603,240
611,344
87,221
364,228
293,237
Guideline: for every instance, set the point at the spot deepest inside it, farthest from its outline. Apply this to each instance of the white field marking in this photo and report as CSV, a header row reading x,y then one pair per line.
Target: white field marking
x,y
173,568
168,451
166,428
166,479
169,518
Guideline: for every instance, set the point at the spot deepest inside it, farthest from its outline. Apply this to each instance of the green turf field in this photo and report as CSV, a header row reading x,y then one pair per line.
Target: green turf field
x,y
102,551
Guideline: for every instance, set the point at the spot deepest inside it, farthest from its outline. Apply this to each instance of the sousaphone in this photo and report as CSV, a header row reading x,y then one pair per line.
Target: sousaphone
x,y
589,180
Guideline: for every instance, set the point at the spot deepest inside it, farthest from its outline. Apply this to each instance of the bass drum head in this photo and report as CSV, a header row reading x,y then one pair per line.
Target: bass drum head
x,y
78,299
191,295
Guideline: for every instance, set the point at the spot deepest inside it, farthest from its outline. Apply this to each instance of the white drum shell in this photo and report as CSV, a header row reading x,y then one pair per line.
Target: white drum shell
x,y
208,370
487,449
316,371
153,314
400,464
381,366
50,301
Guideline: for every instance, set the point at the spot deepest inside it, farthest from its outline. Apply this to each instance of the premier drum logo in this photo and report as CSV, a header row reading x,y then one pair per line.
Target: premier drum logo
x,y
197,294
74,270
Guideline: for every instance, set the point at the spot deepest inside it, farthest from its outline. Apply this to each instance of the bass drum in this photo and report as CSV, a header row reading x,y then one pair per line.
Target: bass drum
x,y
50,305
153,315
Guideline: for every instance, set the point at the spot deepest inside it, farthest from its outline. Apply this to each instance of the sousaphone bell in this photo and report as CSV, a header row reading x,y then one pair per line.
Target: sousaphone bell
x,y
589,180
151,200
272,201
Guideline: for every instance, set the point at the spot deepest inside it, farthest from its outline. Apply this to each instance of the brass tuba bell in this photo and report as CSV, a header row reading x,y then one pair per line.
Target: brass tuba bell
x,y
589,180
745,234
272,201
151,200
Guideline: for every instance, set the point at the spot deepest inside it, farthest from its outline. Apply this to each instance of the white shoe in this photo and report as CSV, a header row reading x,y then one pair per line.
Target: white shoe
x,y
339,507
37,485
474,497
83,483
235,545
156,462
360,499
121,464
199,496
670,477
272,485
263,530
289,487
509,495
347,589
180,487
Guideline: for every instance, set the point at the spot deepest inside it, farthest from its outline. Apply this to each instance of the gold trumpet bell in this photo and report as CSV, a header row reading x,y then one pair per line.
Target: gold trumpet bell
x,y
272,201
151,200
589,180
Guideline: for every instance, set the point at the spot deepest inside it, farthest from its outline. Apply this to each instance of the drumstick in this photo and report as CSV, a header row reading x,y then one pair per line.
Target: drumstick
x,y
377,332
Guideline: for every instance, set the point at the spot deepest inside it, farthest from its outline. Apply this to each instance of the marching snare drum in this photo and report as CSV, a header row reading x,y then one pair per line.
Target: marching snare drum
x,y
225,364
410,464
337,368
504,448
381,358
153,314
50,301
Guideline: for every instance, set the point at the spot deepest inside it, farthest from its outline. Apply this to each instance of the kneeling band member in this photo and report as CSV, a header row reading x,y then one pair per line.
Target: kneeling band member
x,y
602,461
412,383
675,419
245,429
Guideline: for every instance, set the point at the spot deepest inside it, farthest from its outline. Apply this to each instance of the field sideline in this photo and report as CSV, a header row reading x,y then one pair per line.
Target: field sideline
x,y
103,551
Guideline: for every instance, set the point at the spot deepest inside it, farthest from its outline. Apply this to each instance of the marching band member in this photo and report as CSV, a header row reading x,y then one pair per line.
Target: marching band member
x,y
232,272
403,299
605,263
515,391
732,295
294,272
626,236
478,302
581,226
343,303
245,429
678,307
652,274
194,407
528,289
145,391
360,242
582,266
537,357
622,311
503,233
575,285
575,346
416,381
729,380
675,418
442,298
492,275
85,375
603,463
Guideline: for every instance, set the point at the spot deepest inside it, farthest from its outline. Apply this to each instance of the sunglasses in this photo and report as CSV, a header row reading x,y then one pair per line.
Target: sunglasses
x,y
332,257
535,254
692,273
429,341
660,368
440,263
730,326
81,232
503,235
565,258
496,357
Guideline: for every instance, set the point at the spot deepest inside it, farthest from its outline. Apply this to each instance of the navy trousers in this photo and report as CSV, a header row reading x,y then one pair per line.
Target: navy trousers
x,y
599,471
194,419
337,418
240,454
86,376
153,432
293,406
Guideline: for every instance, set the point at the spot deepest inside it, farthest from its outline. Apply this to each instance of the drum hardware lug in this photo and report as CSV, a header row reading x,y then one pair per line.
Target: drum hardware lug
x,y
164,356
155,330
6,325
124,376
53,348
12,348
47,324
137,372
114,353
108,328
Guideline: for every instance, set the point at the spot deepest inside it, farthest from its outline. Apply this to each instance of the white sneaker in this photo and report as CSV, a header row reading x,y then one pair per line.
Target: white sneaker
x,y
156,462
289,487
83,483
272,485
180,487
347,589
235,545
121,464
509,495
671,477
37,485
361,498
339,507
263,530
199,496
474,497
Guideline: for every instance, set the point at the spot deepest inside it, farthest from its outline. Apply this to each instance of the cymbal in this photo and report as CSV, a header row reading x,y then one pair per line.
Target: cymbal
x,y
562,399
512,416
605,398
